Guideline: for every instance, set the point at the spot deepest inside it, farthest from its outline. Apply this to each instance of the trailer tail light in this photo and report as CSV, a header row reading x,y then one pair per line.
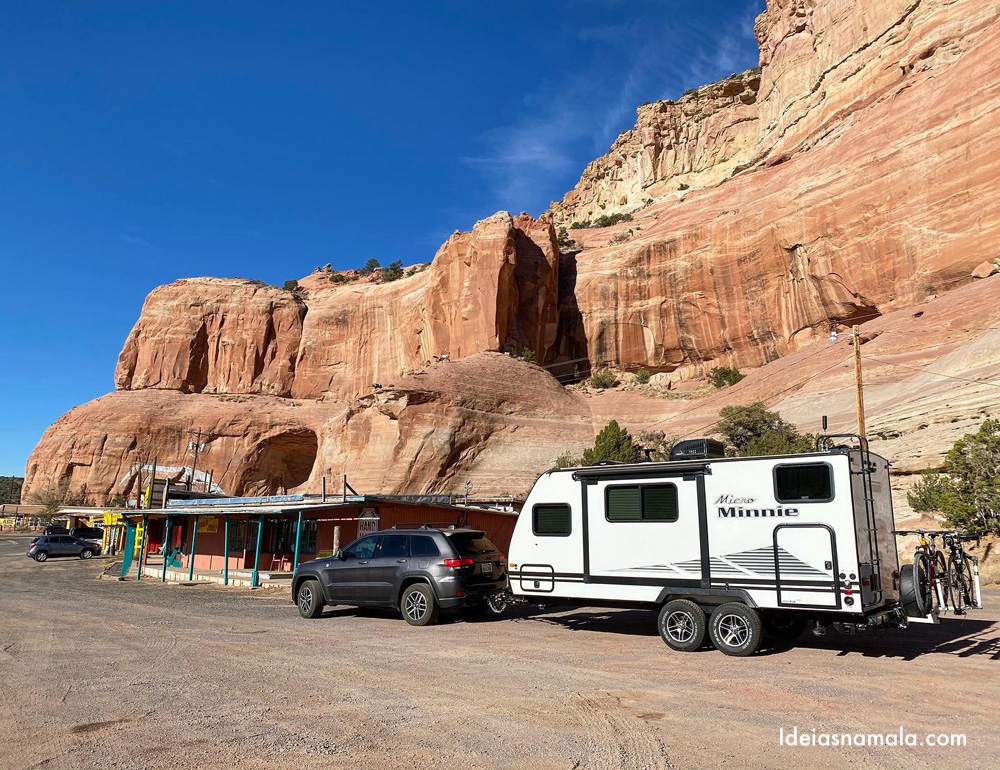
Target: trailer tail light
x,y
866,582
453,563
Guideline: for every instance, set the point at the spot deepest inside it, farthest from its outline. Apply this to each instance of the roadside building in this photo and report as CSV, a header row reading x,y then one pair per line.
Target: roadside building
x,y
226,539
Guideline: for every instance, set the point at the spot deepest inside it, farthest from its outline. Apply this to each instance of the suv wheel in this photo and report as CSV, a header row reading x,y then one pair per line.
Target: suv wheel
x,y
418,606
86,553
310,599
735,629
682,625
41,556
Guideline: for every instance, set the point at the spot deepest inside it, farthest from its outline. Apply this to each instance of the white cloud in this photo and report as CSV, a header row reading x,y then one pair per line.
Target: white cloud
x,y
565,124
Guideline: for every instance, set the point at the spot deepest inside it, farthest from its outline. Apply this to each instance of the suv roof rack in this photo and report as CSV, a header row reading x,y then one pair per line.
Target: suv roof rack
x,y
427,525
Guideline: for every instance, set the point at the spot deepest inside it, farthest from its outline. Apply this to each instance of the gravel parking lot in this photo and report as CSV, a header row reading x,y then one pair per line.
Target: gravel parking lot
x,y
99,673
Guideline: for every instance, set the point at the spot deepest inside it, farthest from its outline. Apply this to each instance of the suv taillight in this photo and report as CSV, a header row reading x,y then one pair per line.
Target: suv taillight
x,y
459,562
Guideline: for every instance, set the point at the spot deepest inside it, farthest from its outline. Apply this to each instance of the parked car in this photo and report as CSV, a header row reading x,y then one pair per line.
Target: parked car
x,y
46,546
418,571
55,529
87,533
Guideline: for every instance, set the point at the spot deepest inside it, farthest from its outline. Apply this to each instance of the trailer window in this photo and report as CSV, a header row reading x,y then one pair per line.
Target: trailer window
x,y
804,483
551,520
651,502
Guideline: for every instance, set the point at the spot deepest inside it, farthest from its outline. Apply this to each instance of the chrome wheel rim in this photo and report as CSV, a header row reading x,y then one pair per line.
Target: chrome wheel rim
x,y
680,627
416,606
42,556
734,630
87,554
305,599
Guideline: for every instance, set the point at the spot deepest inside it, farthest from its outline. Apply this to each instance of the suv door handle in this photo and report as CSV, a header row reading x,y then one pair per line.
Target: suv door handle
x,y
364,562
400,561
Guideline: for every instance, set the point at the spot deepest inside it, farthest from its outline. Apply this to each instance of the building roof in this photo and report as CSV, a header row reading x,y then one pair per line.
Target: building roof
x,y
287,505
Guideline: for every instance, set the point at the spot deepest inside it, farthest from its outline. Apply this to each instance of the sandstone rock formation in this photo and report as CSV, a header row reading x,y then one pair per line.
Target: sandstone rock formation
x,y
852,178
696,141
212,335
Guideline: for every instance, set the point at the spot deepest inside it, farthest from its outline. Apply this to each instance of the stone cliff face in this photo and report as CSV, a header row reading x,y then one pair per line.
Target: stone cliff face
x,y
853,176
490,289
212,335
697,141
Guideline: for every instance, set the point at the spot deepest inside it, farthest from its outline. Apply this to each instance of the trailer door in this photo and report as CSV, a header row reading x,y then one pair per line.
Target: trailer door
x,y
801,553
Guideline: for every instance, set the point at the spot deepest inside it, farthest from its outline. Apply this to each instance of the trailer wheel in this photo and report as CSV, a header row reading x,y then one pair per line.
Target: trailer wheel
x,y
735,629
682,625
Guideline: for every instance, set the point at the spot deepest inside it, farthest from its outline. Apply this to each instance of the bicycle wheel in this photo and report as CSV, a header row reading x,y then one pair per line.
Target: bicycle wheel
x,y
922,593
960,580
939,577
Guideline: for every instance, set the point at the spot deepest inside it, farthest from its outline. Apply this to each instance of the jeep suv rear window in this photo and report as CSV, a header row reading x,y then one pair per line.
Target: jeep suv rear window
x,y
423,545
471,544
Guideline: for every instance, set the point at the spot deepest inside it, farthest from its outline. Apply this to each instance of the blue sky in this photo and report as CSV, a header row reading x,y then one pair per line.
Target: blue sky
x,y
144,142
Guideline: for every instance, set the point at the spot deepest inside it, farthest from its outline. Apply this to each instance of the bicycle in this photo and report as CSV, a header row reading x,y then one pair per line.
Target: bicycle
x,y
930,587
960,573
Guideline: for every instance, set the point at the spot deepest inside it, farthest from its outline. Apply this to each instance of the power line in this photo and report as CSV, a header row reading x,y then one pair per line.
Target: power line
x,y
936,374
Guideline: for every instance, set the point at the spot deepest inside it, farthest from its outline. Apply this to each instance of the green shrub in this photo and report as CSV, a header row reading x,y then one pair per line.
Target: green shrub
x,y
657,443
690,92
338,278
370,266
642,376
613,443
564,241
683,187
724,376
393,272
527,354
606,220
968,492
754,431
580,225
290,285
566,460
603,378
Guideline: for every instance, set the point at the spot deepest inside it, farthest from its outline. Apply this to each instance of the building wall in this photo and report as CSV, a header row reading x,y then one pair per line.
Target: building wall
x,y
498,525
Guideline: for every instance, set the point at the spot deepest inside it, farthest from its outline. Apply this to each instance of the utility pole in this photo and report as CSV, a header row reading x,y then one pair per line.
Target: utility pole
x,y
859,390
468,489
196,446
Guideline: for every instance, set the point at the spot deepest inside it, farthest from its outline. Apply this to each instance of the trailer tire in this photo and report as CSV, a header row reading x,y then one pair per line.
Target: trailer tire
x,y
911,594
682,625
735,629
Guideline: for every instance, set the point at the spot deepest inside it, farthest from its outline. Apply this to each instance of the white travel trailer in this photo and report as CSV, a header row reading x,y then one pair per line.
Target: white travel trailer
x,y
733,547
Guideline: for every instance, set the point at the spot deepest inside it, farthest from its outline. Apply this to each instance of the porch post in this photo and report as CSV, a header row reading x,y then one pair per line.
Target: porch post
x,y
194,541
298,537
142,546
225,555
254,580
166,545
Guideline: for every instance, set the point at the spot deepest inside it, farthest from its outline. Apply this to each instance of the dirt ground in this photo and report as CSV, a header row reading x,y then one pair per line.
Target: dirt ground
x,y
106,674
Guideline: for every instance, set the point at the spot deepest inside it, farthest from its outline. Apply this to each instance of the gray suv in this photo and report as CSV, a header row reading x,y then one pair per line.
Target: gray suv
x,y
41,548
419,571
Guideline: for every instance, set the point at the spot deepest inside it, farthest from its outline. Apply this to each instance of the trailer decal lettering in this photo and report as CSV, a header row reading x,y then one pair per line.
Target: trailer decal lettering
x,y
739,512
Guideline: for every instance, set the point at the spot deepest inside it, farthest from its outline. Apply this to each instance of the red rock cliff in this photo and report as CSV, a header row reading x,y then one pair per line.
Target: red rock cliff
x,y
855,175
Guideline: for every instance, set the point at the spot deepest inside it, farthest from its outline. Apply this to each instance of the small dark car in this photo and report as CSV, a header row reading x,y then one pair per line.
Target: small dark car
x,y
55,529
47,546
87,533
417,571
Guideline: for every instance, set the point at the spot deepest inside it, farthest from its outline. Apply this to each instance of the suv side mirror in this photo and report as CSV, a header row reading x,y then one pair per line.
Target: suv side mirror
x,y
339,554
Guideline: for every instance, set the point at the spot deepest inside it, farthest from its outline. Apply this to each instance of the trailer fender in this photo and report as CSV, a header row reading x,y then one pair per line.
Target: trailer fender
x,y
706,595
